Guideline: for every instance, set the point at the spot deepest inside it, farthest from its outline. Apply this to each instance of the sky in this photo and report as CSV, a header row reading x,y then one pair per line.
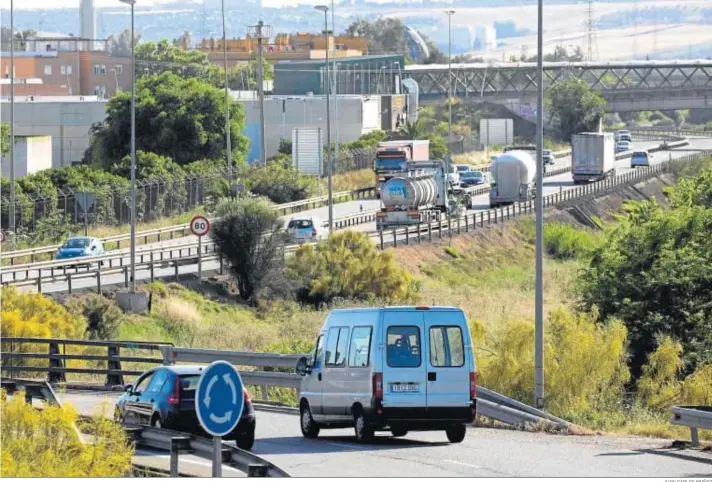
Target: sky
x,y
39,4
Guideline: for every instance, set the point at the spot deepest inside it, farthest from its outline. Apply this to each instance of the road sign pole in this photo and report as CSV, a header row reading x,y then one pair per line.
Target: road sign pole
x,y
200,259
217,456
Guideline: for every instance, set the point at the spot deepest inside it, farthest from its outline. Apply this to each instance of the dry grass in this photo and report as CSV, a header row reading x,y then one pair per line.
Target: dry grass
x,y
352,180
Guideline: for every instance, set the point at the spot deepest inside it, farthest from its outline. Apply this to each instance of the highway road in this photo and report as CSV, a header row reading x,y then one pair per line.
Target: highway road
x,y
484,453
562,182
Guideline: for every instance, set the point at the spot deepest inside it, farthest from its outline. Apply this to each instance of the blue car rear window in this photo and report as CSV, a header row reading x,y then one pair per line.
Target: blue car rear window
x,y
76,243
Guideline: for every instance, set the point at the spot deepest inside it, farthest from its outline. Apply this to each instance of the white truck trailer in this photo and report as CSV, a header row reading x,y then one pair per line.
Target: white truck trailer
x,y
512,178
593,156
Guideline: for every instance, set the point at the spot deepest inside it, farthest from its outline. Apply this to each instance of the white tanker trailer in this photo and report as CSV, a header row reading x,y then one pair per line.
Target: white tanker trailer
x,y
512,178
406,198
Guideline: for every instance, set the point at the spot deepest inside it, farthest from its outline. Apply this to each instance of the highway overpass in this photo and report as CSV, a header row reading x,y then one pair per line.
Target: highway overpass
x,y
627,86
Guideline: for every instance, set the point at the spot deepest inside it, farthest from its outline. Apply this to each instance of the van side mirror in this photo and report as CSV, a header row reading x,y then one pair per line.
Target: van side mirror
x,y
127,388
303,367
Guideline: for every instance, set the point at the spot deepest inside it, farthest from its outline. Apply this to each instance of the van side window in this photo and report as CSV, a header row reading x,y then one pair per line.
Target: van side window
x,y
360,349
403,346
316,360
447,348
341,346
331,340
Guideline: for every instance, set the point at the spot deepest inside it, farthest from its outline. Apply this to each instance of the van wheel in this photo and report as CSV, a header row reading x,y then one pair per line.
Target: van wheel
x,y
310,429
156,421
362,430
399,432
456,433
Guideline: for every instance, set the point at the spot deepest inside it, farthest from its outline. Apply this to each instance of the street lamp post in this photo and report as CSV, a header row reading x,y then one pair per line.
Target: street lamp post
x,y
539,271
325,9
336,85
12,126
228,130
261,32
133,147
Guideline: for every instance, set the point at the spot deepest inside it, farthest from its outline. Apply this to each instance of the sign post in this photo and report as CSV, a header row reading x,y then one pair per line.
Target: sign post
x,y
200,226
219,403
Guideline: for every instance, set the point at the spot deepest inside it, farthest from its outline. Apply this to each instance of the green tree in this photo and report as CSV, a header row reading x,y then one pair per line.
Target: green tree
x,y
120,46
348,265
163,56
248,234
654,272
4,138
387,36
414,130
574,107
183,119
279,181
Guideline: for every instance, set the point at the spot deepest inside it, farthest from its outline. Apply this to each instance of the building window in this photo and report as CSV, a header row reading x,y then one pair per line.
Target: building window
x,y
103,70
48,69
120,70
63,69
100,91
69,70
97,69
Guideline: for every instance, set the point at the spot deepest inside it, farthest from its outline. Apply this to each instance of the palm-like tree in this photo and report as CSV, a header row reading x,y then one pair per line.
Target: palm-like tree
x,y
414,130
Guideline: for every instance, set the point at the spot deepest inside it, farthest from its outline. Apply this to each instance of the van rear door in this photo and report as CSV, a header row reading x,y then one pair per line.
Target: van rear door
x,y
449,359
404,370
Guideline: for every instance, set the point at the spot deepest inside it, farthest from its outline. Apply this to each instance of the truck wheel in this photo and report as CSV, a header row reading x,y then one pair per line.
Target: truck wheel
x,y
456,433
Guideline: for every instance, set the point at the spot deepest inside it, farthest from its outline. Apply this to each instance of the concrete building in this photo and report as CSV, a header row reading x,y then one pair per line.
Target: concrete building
x,y
32,154
66,119
368,75
65,67
300,46
357,116
485,38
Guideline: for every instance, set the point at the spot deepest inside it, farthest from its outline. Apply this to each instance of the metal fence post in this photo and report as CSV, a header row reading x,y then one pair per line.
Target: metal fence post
x,y
395,240
39,283
114,364
98,281
126,276
380,235
69,283
151,268
407,235
54,376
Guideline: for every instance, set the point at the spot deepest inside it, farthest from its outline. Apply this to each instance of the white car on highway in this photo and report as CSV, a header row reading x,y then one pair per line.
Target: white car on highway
x,y
391,369
640,158
306,228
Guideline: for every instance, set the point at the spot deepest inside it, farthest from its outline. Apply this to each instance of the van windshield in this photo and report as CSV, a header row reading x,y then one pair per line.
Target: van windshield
x,y
403,346
300,224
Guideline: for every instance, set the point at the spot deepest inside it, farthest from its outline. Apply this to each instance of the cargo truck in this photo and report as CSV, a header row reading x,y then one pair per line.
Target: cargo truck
x,y
512,178
392,158
593,156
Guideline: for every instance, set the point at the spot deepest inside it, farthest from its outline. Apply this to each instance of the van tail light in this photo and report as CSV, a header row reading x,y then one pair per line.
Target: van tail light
x,y
315,232
174,398
473,385
378,386
246,394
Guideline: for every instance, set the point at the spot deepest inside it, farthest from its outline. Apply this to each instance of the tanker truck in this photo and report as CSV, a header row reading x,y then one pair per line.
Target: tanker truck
x,y
392,158
409,197
512,178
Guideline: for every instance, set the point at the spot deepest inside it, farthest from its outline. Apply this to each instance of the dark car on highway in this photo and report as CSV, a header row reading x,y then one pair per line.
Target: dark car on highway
x,y
164,397
472,178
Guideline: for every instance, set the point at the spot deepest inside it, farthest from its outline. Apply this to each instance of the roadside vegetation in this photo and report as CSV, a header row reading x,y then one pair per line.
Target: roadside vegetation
x,y
48,443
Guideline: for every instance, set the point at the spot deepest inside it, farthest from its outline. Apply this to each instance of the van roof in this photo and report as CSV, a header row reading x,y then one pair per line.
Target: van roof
x,y
398,308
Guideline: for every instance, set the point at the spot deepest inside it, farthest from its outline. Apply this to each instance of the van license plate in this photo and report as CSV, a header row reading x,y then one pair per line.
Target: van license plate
x,y
404,387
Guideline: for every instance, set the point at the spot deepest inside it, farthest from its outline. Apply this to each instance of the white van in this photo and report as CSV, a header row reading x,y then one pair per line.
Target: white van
x,y
390,369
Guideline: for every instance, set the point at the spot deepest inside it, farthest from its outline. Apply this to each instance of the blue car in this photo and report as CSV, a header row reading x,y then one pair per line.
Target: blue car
x,y
164,397
80,247
472,178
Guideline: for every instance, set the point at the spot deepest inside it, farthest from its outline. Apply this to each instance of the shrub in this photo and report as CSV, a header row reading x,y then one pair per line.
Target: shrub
x,y
46,444
249,235
102,315
34,316
585,361
563,241
280,182
348,265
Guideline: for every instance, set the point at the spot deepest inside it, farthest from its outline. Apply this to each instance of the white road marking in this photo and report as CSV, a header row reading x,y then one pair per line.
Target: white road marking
x,y
463,464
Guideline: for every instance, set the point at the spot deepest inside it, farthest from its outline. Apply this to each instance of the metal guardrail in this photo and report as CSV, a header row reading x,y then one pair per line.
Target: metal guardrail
x,y
695,417
179,442
33,389
13,358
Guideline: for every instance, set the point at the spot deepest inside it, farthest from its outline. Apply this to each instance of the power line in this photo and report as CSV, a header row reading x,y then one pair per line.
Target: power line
x,y
592,44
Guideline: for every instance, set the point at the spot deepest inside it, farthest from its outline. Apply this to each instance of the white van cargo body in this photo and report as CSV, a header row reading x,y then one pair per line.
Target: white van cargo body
x,y
390,369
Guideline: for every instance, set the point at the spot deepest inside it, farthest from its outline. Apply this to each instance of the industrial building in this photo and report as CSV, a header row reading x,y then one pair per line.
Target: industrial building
x,y
367,75
32,154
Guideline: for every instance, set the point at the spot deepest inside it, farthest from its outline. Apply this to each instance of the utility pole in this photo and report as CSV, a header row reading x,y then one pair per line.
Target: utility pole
x,y
539,271
261,32
228,130
325,9
449,13
12,127
336,85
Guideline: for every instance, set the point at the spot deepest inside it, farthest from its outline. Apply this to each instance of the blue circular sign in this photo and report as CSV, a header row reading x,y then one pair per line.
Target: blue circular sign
x,y
219,399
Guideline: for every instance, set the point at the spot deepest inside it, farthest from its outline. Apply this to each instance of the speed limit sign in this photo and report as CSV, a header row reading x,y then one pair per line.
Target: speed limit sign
x,y
200,226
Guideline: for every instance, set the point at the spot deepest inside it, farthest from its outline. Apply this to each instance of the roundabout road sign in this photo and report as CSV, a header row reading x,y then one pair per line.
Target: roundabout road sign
x,y
219,399
199,225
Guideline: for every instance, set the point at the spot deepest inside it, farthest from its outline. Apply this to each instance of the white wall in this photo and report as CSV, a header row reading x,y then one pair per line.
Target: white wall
x,y
32,154
355,116
67,122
